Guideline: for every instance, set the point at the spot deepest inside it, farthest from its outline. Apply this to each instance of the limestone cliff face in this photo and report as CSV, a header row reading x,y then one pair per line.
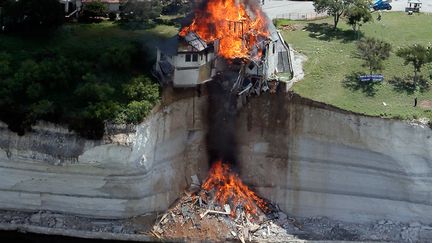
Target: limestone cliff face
x,y
129,172
311,159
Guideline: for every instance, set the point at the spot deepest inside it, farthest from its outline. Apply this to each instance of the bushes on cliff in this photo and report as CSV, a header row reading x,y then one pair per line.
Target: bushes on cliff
x,y
82,88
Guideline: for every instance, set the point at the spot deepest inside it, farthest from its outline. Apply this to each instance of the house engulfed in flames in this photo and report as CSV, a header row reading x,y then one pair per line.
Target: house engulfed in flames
x,y
251,50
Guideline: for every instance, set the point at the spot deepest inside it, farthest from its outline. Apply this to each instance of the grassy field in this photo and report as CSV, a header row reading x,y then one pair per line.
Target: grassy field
x,y
331,67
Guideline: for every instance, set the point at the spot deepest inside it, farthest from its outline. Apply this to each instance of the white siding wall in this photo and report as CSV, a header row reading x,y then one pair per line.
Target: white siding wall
x,y
188,77
271,60
180,60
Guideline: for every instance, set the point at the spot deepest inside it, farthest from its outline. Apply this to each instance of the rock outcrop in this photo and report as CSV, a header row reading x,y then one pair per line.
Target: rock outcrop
x,y
127,173
312,159
309,158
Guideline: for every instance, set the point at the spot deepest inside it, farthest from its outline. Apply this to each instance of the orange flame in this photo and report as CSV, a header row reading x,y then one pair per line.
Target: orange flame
x,y
229,188
229,22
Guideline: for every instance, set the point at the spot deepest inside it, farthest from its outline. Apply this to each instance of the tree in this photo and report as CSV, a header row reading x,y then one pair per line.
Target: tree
x,y
30,15
173,7
141,10
357,12
93,9
373,52
335,8
417,55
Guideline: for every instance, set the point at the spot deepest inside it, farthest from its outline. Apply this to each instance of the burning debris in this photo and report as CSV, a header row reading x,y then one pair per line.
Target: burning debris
x,y
239,28
226,36
224,208
234,45
229,188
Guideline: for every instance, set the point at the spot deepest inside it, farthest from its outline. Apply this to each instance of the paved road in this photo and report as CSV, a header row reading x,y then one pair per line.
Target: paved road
x,y
302,9
275,9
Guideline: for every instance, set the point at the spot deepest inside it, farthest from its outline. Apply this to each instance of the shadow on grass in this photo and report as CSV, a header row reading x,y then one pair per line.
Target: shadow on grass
x,y
407,85
136,25
326,32
353,83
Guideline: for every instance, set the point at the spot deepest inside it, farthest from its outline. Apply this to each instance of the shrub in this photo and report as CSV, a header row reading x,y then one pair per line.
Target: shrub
x,y
141,10
93,10
5,64
112,16
118,58
177,7
92,90
32,15
137,110
80,87
373,52
418,55
142,88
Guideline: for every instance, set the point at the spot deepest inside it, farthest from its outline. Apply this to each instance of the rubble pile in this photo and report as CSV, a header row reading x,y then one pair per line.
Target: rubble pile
x,y
290,27
198,216
195,218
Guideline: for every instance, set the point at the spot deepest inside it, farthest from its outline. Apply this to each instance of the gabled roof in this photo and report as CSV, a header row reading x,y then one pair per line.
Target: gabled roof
x,y
273,31
195,41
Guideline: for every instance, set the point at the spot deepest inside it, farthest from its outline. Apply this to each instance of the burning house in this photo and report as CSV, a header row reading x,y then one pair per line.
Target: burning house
x,y
226,37
228,42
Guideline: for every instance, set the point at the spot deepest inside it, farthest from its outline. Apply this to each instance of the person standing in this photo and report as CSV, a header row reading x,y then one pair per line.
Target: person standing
x,y
415,101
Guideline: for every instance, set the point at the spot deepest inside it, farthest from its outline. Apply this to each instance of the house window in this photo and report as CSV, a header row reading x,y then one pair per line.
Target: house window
x,y
195,58
188,57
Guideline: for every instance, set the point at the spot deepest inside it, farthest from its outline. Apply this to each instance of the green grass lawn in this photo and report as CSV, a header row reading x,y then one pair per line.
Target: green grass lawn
x,y
331,60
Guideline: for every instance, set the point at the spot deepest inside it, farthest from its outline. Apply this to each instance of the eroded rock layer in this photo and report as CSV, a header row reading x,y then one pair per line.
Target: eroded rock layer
x,y
313,159
129,172
309,158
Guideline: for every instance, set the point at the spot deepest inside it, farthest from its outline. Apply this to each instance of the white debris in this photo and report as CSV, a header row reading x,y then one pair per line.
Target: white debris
x,y
227,208
195,180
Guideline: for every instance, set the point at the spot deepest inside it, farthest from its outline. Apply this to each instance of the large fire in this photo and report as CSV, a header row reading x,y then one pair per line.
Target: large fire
x,y
237,26
229,189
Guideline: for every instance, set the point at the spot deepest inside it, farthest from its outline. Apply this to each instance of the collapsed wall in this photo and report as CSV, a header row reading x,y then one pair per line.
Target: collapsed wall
x,y
125,174
309,158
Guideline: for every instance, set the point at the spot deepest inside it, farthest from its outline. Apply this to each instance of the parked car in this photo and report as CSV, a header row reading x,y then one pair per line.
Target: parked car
x,y
382,5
